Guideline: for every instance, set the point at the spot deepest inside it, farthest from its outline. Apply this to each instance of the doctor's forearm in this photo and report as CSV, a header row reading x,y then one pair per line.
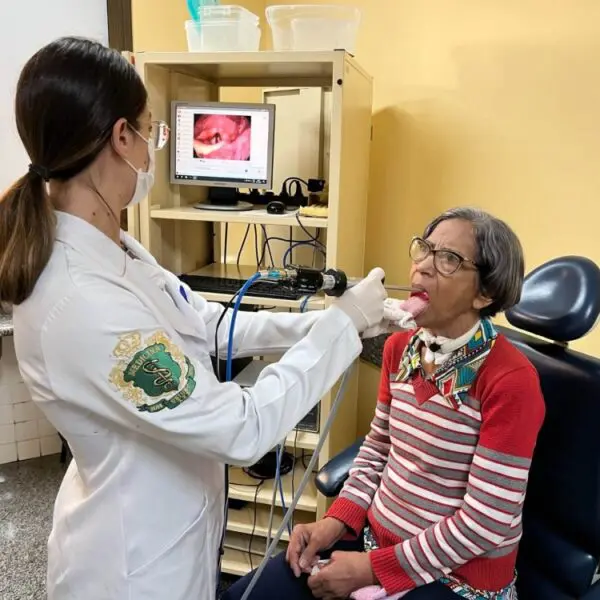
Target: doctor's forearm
x,y
266,332
285,391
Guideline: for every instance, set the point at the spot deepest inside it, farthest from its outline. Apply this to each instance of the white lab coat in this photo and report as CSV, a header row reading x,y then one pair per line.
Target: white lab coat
x,y
102,343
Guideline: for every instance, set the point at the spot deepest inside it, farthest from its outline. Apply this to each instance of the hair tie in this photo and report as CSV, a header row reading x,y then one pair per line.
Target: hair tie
x,y
40,171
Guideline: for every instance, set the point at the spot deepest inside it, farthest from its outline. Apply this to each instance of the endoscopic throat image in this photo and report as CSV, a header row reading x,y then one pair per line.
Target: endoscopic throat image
x,y
224,137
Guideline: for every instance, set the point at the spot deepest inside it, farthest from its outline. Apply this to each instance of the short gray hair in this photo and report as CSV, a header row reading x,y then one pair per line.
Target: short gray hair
x,y
499,255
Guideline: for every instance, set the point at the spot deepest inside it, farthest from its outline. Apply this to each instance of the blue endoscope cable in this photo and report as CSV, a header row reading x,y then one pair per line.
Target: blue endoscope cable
x,y
228,376
307,475
236,308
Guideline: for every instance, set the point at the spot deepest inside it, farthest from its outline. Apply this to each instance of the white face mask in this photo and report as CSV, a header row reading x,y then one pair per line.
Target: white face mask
x,y
145,179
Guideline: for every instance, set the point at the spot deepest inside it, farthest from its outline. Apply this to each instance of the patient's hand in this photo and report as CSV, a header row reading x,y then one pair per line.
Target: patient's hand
x,y
307,541
345,573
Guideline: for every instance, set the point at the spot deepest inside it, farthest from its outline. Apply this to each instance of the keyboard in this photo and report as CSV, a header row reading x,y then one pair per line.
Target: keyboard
x,y
225,285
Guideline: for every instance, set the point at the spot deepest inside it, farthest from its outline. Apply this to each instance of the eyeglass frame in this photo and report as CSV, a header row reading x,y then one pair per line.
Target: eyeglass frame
x,y
158,124
165,126
434,251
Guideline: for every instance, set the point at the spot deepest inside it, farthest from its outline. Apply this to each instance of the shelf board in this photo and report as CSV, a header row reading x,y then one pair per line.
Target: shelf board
x,y
235,562
242,520
303,440
253,68
313,303
236,559
247,490
258,216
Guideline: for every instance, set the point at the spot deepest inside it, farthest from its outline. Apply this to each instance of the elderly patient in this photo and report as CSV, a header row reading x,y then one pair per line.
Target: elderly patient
x,y
432,507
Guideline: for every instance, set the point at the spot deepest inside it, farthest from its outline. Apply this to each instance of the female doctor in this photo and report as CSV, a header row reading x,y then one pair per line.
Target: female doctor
x,y
119,360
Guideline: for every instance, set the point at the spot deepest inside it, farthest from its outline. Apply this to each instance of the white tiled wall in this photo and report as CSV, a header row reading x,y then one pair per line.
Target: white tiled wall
x,y
24,432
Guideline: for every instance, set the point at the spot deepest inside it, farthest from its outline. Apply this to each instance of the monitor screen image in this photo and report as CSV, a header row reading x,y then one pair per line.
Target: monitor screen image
x,y
222,137
218,144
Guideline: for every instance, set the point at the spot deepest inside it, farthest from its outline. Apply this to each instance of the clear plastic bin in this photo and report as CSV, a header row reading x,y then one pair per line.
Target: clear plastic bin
x,y
224,28
313,27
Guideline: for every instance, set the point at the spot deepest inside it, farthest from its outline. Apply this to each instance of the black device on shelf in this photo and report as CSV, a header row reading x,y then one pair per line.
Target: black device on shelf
x,y
234,199
237,366
312,421
266,467
248,377
226,285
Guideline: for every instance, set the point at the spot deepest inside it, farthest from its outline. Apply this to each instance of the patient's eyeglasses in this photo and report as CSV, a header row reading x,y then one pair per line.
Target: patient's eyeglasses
x,y
159,134
446,262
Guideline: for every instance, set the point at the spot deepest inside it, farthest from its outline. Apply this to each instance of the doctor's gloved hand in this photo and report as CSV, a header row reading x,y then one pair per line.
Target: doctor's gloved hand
x,y
395,318
364,302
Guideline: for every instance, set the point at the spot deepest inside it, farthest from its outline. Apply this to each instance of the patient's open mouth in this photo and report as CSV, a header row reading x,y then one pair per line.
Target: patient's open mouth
x,y
416,303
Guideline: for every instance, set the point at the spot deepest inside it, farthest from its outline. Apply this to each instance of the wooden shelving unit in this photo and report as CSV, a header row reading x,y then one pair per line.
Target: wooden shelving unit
x,y
316,303
256,519
185,239
253,217
242,487
242,553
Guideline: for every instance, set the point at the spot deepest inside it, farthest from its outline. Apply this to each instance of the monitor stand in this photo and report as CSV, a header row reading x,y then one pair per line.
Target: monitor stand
x,y
238,206
224,199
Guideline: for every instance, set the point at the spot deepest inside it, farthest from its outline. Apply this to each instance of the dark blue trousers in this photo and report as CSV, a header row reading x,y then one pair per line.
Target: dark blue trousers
x,y
278,582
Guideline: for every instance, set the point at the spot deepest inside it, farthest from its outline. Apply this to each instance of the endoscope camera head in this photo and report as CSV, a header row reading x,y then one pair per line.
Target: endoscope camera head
x,y
308,281
334,282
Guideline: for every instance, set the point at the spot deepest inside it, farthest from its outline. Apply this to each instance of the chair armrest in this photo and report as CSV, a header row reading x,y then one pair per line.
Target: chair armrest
x,y
331,477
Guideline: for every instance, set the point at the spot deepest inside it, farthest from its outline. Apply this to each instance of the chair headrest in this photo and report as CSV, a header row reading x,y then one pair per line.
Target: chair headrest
x,y
560,299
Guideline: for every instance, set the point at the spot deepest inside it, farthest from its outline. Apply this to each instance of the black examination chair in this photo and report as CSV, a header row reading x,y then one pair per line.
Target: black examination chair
x,y
560,550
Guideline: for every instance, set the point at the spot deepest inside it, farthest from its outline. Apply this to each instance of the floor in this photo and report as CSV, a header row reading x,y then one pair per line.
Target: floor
x,y
27,493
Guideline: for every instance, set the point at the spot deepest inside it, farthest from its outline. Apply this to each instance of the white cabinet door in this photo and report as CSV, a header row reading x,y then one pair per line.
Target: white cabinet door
x,y
302,118
27,25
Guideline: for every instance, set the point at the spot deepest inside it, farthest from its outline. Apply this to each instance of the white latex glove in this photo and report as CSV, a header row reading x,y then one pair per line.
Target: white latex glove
x,y
363,303
394,319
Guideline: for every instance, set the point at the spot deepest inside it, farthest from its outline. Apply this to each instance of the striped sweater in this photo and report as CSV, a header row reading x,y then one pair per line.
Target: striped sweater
x,y
442,487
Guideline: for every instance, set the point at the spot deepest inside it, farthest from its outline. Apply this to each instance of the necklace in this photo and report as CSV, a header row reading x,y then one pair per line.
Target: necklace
x,y
438,349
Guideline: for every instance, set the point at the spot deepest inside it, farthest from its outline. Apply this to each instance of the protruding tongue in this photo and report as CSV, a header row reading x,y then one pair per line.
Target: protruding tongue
x,y
415,305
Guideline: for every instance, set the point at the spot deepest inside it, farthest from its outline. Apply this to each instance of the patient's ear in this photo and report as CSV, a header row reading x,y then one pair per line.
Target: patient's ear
x,y
481,301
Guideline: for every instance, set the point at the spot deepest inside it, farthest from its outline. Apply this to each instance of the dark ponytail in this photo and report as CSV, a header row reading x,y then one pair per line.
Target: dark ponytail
x,y
69,96
27,226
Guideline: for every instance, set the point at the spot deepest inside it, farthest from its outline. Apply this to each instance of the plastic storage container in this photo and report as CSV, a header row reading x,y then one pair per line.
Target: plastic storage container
x,y
313,27
223,28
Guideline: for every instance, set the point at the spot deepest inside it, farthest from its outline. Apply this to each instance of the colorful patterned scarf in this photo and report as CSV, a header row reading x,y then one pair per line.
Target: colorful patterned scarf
x,y
455,376
469,593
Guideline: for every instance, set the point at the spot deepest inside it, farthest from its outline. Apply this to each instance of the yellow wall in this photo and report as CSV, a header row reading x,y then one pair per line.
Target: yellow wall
x,y
495,104
158,25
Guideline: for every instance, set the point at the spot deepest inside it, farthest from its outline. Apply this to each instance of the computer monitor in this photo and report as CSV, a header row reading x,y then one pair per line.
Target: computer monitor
x,y
217,144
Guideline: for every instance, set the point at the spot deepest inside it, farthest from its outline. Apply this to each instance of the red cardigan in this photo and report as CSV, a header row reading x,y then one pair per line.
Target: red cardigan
x,y
442,487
